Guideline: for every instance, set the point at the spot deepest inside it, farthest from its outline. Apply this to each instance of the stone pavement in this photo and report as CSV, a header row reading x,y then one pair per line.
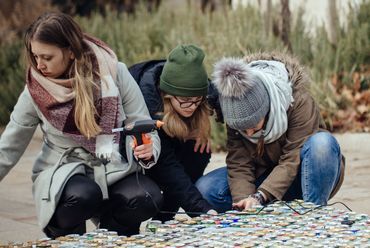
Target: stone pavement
x,y
18,216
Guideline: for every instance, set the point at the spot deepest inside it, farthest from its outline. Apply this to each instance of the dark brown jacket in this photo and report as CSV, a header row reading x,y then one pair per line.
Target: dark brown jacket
x,y
281,157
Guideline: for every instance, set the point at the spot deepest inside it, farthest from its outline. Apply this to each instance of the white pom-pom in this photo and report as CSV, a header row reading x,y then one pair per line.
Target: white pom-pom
x,y
231,76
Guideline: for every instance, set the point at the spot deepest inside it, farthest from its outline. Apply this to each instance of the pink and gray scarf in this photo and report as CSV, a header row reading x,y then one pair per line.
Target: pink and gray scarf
x,y
56,102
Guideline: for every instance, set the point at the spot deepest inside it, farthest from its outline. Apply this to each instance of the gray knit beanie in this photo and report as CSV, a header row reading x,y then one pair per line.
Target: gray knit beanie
x,y
243,97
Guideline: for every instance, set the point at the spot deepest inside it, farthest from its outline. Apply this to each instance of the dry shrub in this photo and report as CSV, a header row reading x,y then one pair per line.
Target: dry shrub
x,y
16,15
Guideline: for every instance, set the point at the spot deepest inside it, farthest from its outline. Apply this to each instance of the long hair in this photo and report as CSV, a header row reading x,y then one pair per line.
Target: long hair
x,y
180,127
62,31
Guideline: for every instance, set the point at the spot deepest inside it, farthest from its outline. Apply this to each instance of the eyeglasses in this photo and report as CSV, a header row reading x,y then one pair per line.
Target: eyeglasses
x,y
188,104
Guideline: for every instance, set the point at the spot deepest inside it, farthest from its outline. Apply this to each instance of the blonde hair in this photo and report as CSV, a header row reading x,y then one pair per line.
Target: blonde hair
x,y
61,30
85,110
180,127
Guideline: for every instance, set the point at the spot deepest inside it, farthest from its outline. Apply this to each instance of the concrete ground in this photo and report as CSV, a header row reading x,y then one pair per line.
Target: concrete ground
x,y
18,216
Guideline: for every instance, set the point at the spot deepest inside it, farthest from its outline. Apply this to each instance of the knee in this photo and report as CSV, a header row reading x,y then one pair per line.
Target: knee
x,y
210,182
215,189
205,186
141,207
321,158
321,145
144,198
214,185
88,196
146,202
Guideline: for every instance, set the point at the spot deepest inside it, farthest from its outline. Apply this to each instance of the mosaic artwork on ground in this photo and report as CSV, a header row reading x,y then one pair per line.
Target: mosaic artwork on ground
x,y
280,224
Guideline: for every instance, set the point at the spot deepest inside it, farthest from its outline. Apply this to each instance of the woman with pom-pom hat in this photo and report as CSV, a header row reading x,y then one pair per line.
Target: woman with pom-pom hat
x,y
277,144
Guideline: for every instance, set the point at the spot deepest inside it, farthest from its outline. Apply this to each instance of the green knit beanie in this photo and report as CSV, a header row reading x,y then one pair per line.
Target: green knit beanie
x,y
183,73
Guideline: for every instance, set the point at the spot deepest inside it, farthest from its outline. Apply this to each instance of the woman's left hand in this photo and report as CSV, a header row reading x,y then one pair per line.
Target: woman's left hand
x,y
245,204
202,146
144,151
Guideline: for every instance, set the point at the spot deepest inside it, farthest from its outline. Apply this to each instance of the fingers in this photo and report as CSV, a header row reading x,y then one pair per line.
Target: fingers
x,y
208,150
144,156
197,144
203,146
245,204
248,204
144,151
239,205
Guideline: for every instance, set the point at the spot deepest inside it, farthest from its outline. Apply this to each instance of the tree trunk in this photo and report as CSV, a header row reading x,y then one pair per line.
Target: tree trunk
x,y
285,24
204,4
333,23
267,17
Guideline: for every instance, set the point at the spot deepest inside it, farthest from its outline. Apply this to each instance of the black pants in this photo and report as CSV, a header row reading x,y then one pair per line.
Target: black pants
x,y
194,164
132,200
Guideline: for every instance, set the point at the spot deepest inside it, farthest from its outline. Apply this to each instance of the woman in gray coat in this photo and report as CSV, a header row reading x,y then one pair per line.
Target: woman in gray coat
x,y
78,92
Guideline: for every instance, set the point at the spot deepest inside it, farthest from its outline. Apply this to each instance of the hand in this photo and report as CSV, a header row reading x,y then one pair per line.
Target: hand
x,y
245,204
201,146
144,151
212,212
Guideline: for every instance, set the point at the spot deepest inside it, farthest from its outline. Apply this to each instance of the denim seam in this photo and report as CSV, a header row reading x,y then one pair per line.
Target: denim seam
x,y
305,172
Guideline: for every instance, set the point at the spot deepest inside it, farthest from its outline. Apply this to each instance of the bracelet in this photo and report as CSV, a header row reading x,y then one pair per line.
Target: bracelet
x,y
259,197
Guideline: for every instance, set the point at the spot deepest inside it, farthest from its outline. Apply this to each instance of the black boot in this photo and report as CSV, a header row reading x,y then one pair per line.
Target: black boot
x,y
122,229
54,232
163,217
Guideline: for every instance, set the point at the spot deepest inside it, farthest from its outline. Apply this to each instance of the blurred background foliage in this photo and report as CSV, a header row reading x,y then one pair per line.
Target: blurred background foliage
x,y
339,66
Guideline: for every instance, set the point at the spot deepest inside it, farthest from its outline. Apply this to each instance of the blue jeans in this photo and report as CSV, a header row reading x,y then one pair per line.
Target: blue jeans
x,y
318,174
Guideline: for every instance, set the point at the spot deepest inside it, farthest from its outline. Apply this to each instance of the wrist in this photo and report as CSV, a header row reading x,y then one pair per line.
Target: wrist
x,y
264,195
259,197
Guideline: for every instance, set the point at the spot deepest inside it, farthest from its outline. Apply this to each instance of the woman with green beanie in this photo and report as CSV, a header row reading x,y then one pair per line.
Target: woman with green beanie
x,y
175,91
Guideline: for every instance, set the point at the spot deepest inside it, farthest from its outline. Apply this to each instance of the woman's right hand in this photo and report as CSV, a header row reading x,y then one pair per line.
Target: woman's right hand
x,y
246,204
144,151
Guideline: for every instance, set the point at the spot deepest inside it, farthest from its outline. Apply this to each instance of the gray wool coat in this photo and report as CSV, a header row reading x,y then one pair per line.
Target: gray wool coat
x,y
60,157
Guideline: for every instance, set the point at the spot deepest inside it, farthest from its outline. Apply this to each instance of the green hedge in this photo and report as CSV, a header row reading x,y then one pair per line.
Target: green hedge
x,y
224,33
11,78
